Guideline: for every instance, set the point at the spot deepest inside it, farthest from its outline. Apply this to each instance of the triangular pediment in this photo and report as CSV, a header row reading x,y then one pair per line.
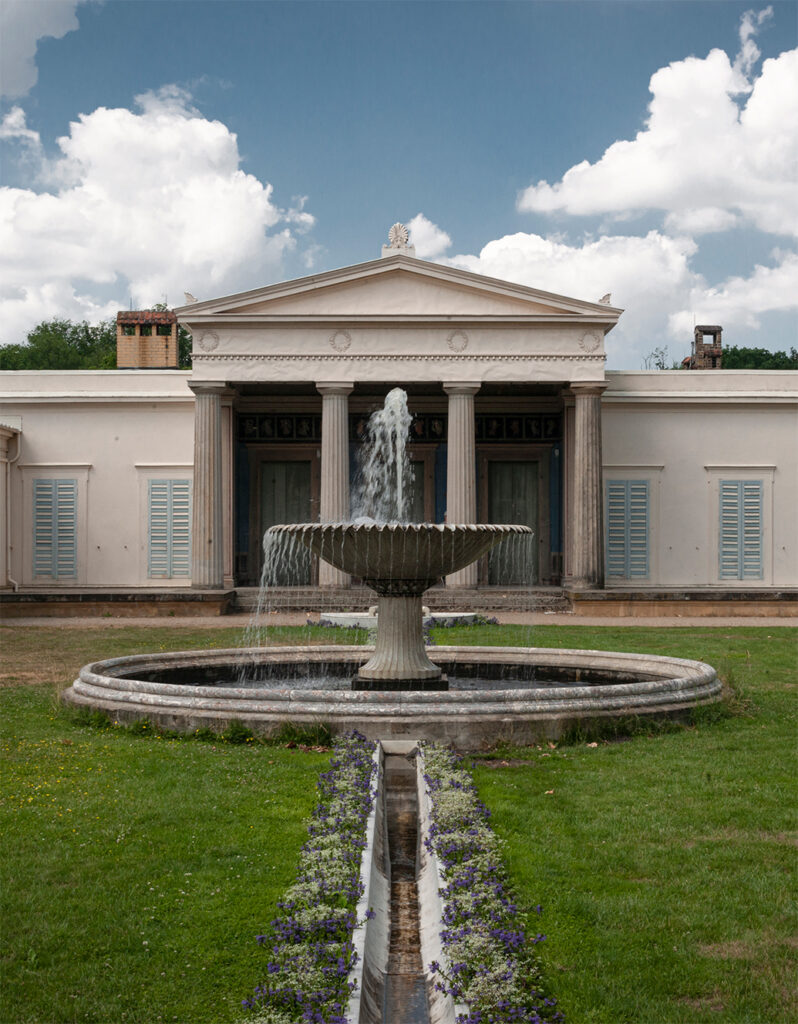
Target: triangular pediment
x,y
398,286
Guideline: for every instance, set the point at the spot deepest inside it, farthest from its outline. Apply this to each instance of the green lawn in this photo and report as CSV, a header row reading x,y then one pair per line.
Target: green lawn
x,y
136,870
666,864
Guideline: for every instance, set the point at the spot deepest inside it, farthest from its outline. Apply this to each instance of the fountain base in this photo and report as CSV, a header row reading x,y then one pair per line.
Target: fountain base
x,y
495,695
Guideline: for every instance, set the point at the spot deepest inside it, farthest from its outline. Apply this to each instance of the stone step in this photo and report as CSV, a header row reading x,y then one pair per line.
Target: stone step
x,y
334,599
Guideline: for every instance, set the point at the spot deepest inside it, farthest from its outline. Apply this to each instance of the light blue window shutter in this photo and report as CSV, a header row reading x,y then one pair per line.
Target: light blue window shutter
x,y
55,529
627,529
637,537
616,529
158,562
740,530
753,567
181,527
169,528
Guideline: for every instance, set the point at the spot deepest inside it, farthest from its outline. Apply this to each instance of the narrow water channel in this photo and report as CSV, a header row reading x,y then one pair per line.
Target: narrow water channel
x,y
405,996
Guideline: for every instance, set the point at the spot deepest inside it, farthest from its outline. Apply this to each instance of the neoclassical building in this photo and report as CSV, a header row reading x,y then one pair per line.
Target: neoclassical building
x,y
644,482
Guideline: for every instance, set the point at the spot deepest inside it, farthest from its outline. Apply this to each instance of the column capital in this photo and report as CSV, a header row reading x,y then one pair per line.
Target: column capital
x,y
588,387
335,387
457,387
207,387
6,433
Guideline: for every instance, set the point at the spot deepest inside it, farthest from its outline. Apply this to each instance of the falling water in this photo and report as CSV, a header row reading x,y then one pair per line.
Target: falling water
x,y
382,493
283,555
383,481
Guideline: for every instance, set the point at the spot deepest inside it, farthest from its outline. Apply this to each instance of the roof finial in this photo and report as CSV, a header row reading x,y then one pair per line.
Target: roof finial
x,y
398,242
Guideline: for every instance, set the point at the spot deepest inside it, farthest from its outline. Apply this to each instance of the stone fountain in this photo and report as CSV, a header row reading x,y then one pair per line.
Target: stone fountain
x,y
400,561
480,695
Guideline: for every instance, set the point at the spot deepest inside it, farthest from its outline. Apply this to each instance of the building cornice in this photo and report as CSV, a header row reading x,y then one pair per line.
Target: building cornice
x,y
94,398
375,269
356,321
698,397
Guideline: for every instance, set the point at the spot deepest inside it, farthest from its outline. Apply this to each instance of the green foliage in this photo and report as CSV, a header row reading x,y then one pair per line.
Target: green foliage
x,y
237,732
183,339
735,358
64,345
60,344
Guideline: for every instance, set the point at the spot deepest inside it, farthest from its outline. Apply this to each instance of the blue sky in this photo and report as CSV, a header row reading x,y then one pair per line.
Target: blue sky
x,y
216,146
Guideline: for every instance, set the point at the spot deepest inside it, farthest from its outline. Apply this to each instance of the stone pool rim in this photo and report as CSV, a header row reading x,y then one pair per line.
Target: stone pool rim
x,y
467,719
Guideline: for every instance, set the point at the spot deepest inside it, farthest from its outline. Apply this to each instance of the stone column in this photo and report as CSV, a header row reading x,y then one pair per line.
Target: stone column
x,y
334,497
5,525
587,526
207,549
461,469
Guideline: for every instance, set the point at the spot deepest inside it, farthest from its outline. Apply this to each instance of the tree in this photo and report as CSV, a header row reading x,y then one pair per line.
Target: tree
x,y
64,345
735,358
658,359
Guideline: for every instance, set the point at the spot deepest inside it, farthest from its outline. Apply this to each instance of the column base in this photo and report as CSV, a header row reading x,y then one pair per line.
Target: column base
x,y
399,685
583,584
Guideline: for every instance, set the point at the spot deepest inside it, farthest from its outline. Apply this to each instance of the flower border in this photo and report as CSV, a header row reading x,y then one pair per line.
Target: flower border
x,y
312,955
489,966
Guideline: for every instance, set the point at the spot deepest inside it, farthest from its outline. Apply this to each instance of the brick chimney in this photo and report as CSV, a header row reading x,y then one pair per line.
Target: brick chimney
x,y
146,340
707,350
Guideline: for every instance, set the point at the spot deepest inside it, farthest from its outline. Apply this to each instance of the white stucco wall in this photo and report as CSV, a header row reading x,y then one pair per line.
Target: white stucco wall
x,y
686,430
112,431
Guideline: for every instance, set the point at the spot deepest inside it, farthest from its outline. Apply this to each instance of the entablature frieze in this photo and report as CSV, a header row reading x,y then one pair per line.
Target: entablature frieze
x,y
287,427
409,368
451,342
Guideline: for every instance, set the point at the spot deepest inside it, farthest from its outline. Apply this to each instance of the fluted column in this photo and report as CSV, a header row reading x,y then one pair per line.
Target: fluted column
x,y
461,469
207,549
5,526
334,497
587,534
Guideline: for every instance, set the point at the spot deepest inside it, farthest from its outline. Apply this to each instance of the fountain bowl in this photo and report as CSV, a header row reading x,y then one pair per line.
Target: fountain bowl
x,y
400,552
400,561
512,695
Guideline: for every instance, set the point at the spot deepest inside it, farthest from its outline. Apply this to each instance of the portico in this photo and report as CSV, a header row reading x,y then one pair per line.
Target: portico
x,y
504,383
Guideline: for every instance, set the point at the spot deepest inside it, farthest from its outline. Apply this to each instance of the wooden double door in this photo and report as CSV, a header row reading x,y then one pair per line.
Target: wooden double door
x,y
514,489
286,490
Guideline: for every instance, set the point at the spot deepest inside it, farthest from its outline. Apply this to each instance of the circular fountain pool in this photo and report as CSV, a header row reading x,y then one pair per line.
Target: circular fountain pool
x,y
517,695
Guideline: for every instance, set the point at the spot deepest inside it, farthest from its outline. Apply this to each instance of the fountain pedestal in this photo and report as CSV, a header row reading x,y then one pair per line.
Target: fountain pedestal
x,y
400,659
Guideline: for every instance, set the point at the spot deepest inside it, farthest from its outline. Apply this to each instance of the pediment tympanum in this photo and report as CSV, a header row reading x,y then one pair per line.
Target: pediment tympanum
x,y
398,286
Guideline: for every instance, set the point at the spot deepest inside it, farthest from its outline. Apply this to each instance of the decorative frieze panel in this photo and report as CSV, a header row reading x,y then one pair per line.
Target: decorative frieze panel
x,y
502,428
425,427
280,427
429,428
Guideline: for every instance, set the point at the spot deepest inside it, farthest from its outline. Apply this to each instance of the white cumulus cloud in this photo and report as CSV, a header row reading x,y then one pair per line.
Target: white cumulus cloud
x,y
749,54
719,151
430,240
741,301
138,203
22,24
703,159
647,276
